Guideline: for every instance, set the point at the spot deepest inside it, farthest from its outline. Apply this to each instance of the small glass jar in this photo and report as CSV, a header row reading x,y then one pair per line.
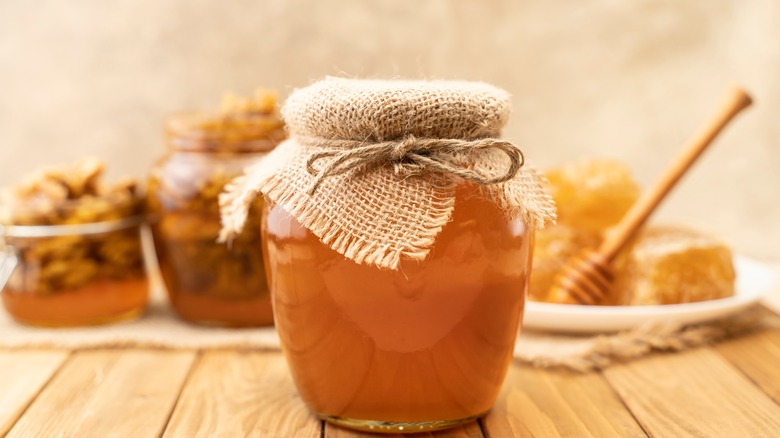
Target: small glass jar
x,y
209,282
75,273
419,348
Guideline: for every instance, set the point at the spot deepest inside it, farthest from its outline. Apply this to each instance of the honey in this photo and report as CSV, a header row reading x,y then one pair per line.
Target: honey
x,y
97,302
428,343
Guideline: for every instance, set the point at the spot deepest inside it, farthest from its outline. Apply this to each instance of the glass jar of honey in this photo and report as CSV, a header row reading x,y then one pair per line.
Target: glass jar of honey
x,y
426,345
397,235
207,282
72,249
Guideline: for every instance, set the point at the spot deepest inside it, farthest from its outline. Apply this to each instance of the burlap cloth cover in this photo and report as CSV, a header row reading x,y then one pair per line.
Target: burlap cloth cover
x,y
411,143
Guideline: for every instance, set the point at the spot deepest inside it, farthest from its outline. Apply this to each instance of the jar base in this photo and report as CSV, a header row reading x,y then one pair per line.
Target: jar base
x,y
103,320
396,427
208,310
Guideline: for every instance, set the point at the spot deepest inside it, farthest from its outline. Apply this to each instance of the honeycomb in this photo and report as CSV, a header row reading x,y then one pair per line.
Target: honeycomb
x,y
673,264
592,195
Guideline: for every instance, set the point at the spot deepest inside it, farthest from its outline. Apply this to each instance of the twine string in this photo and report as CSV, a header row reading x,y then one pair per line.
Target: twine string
x,y
410,155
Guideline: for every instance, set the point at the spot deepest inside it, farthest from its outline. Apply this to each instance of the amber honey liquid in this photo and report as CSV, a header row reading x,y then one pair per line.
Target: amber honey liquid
x,y
98,302
429,342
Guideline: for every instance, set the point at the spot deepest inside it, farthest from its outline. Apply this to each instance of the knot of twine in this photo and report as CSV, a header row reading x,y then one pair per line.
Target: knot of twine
x,y
411,155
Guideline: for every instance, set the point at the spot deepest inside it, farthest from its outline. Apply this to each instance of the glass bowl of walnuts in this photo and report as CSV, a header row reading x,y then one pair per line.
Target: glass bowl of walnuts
x,y
71,248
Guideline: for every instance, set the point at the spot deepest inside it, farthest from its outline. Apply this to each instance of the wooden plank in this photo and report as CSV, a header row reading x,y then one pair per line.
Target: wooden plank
x,y
23,373
239,393
550,403
694,393
757,355
471,430
108,393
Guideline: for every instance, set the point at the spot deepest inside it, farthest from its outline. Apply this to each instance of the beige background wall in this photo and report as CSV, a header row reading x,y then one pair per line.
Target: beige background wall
x,y
629,80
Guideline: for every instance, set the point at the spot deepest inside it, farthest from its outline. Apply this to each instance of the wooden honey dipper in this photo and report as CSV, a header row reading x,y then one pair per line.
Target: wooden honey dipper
x,y
587,277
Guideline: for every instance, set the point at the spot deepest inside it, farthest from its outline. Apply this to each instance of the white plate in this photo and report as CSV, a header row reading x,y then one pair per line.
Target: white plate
x,y
754,280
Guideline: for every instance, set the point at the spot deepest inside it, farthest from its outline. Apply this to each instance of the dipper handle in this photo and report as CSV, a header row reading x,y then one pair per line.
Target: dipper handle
x,y
736,101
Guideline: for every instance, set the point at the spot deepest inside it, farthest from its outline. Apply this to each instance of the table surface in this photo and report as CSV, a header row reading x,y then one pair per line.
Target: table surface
x,y
729,389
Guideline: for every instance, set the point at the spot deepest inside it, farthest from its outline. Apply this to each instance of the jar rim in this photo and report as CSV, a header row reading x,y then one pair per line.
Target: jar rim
x,y
88,228
246,132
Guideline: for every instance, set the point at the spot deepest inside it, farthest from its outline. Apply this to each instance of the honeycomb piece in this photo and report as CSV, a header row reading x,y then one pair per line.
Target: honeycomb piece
x,y
673,264
592,195
553,247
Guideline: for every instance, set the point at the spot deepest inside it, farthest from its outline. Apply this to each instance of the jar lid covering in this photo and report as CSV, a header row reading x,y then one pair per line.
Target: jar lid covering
x,y
371,166
377,110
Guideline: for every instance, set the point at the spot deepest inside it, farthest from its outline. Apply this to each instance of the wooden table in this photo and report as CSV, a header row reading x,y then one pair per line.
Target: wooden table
x,y
729,390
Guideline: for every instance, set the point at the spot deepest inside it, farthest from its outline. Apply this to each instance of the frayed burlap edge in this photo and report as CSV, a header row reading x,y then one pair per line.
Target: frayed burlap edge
x,y
282,178
597,353
525,197
240,193
371,166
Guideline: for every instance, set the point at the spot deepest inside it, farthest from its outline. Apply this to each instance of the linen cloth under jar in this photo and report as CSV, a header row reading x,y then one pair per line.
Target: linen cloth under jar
x,y
398,235
208,282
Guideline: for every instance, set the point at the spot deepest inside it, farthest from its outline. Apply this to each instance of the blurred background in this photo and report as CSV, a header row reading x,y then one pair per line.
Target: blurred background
x,y
603,78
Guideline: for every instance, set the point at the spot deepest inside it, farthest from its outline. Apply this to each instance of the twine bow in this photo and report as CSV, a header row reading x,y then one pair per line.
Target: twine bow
x,y
411,155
